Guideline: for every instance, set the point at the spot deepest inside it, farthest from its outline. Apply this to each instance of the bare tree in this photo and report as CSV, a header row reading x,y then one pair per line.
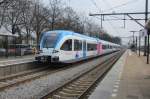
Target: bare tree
x,y
69,18
40,20
27,17
32,16
4,6
55,11
14,21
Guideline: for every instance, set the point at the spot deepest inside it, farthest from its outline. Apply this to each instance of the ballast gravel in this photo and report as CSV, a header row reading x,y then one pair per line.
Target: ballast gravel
x,y
40,87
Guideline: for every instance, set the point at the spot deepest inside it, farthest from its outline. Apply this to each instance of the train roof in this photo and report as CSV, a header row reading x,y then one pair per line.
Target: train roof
x,y
65,33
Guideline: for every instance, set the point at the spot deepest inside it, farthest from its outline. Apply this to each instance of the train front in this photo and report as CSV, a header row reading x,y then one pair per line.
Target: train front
x,y
47,51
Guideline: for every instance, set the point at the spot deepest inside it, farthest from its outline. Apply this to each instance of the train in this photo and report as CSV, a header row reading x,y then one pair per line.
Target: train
x,y
62,46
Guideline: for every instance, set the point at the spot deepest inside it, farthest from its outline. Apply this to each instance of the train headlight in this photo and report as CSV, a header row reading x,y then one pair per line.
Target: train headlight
x,y
55,51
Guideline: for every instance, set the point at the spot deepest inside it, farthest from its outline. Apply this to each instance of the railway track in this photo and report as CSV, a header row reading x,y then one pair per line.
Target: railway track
x,y
80,87
16,79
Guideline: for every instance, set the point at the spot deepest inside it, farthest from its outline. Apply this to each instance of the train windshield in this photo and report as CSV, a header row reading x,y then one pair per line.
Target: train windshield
x,y
49,41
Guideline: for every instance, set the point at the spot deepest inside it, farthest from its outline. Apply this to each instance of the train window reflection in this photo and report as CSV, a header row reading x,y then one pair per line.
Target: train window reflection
x,y
49,41
67,45
91,47
77,45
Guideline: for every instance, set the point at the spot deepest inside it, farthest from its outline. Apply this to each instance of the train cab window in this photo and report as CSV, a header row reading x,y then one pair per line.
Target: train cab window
x,y
49,41
67,45
77,45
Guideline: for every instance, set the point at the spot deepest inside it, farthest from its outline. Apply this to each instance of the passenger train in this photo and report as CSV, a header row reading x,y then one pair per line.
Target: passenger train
x,y
67,47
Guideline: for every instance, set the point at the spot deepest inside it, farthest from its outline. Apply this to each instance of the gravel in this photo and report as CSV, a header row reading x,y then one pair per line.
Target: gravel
x,y
37,88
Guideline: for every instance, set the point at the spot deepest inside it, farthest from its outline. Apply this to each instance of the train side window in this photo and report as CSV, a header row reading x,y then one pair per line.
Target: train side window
x,y
104,46
77,45
67,45
94,46
108,47
91,47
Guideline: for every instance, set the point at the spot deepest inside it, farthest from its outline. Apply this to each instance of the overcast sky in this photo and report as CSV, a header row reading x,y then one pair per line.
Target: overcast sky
x,y
114,28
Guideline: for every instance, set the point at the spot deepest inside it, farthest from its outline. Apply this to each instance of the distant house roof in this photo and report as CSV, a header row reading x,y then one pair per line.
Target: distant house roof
x,y
5,32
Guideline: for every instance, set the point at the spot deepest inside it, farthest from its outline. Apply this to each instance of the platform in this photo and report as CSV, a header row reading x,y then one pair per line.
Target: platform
x,y
13,65
16,60
128,79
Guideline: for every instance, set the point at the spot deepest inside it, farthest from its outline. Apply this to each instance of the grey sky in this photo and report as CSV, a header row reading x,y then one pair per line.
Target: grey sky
x,y
114,28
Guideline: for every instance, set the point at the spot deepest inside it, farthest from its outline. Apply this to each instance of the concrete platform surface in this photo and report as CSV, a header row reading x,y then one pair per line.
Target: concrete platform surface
x,y
105,89
128,79
16,60
135,80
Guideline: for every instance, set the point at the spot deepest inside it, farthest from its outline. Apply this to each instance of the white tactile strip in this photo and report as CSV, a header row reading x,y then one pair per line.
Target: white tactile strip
x,y
108,87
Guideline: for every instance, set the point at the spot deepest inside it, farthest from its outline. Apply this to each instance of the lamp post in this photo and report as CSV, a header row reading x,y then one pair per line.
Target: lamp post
x,y
147,27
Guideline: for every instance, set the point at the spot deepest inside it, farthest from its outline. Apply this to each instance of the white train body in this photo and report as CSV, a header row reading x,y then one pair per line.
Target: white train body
x,y
67,47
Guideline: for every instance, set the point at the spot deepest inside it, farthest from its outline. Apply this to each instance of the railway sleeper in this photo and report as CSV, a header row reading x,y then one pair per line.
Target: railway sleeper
x,y
82,84
2,85
69,90
75,88
61,97
19,79
56,97
85,78
63,94
85,82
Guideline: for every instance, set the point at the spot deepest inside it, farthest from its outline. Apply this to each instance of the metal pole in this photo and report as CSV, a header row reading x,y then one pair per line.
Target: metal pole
x,y
133,42
146,17
139,44
148,49
15,46
145,40
101,22
146,10
136,44
133,37
6,45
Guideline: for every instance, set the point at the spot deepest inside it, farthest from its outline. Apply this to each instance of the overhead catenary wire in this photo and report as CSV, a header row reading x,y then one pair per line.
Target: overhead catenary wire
x,y
118,6
94,3
113,27
111,24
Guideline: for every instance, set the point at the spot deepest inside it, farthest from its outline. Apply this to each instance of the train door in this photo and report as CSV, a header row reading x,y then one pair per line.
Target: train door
x,y
84,48
100,48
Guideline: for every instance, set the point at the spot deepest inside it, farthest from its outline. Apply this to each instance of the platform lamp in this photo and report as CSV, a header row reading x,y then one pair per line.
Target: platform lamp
x,y
147,27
